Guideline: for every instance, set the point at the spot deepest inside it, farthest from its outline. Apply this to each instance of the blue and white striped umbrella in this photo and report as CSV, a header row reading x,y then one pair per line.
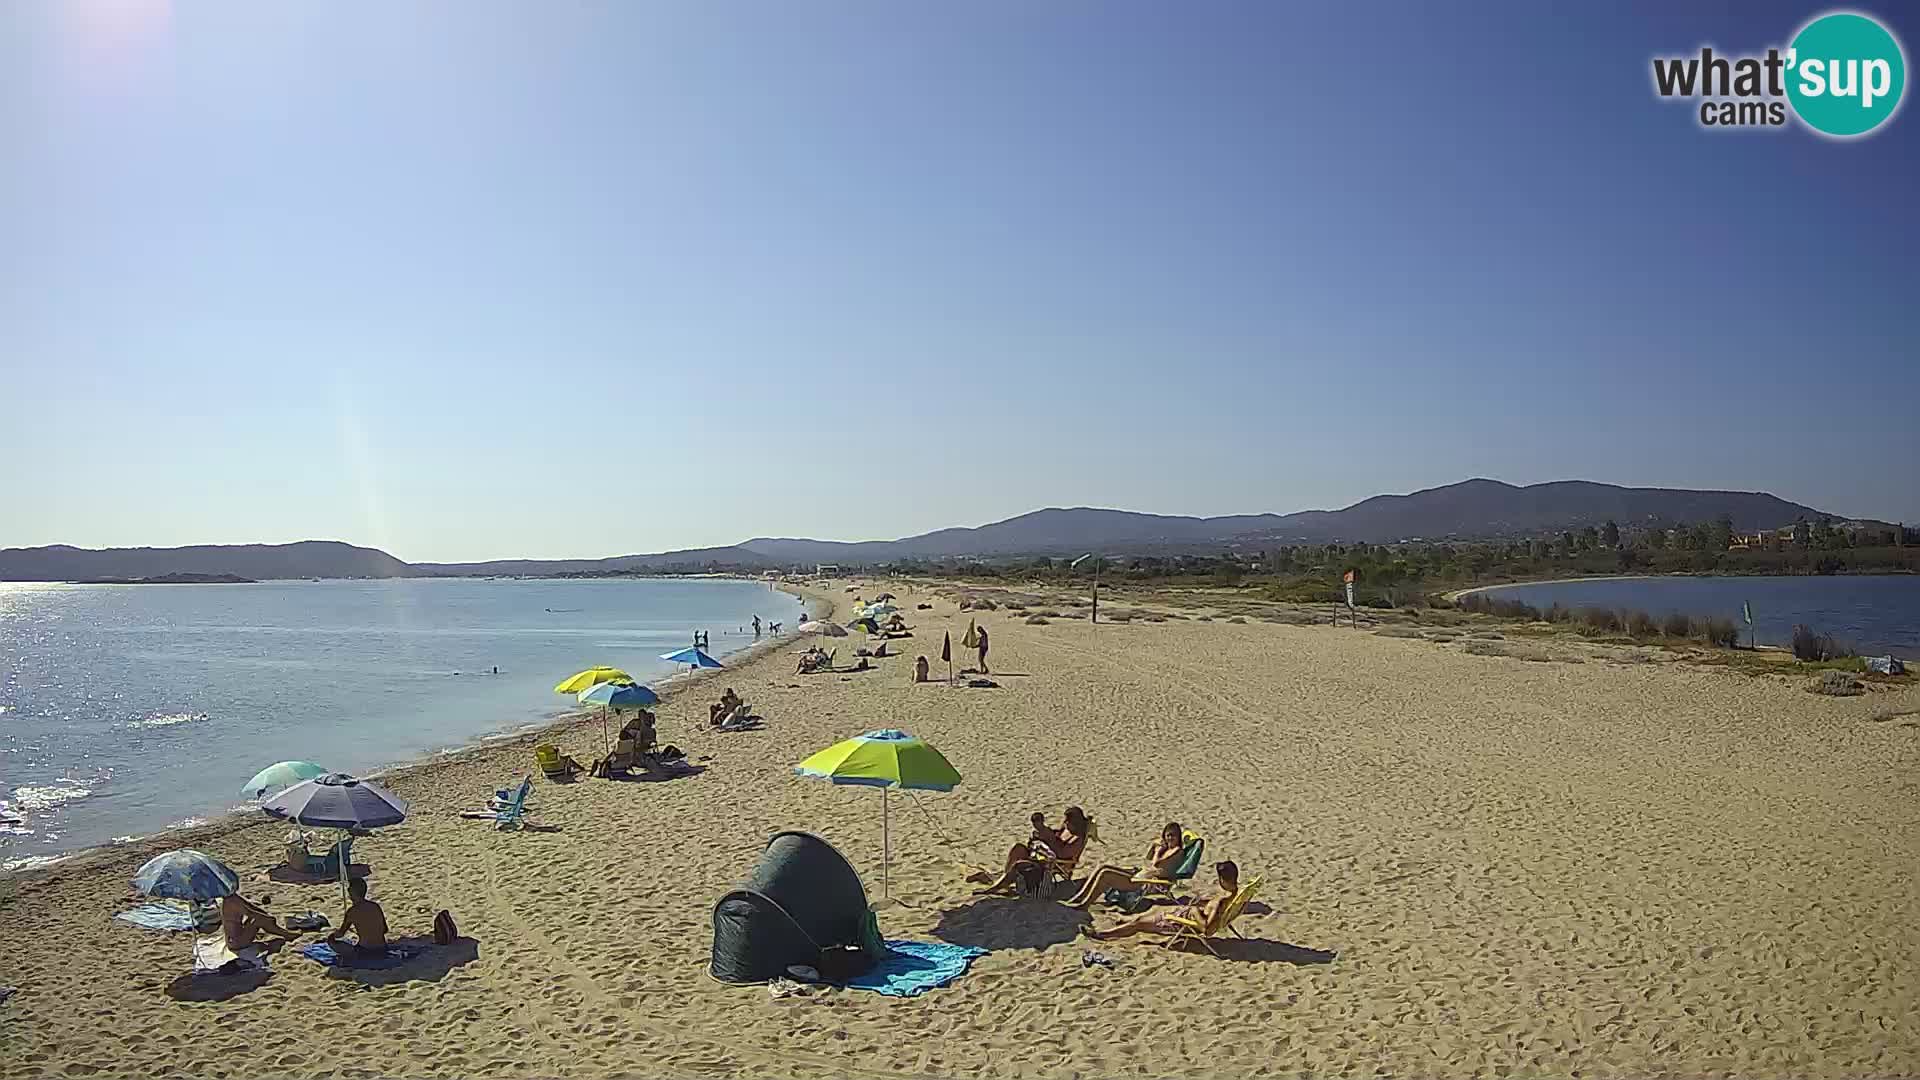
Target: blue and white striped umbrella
x,y
186,874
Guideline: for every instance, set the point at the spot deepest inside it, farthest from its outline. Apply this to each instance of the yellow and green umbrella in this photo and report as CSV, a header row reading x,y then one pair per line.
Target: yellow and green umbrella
x,y
590,678
884,759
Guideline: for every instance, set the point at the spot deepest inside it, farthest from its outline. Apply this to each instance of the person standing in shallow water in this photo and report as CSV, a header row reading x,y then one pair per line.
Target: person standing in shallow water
x,y
980,636
756,626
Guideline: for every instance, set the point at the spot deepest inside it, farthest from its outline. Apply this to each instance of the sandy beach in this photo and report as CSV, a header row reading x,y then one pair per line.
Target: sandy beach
x,y
1474,866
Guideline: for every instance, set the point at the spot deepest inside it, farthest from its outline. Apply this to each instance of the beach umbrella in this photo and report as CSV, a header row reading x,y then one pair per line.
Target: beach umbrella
x,y
590,678
864,624
881,609
693,656
824,629
279,776
885,759
186,874
886,596
338,801
617,696
972,640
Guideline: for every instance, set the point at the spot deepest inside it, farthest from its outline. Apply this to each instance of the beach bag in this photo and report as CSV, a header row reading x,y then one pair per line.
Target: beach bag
x,y
1128,900
444,932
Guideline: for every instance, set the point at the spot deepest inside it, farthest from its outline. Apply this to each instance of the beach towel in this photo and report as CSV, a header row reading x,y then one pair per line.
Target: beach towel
x,y
157,916
211,956
911,968
323,952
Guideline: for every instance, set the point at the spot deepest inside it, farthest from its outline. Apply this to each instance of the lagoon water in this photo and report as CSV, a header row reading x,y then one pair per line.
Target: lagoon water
x,y
1879,613
125,709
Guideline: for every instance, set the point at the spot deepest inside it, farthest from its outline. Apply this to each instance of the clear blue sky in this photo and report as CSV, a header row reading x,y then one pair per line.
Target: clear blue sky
x,y
428,276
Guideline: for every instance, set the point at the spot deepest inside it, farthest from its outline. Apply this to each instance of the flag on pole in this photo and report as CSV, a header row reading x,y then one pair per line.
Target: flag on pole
x,y
1350,590
1746,612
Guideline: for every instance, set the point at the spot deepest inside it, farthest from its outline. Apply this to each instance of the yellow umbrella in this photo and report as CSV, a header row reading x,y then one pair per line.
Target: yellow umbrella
x,y
590,678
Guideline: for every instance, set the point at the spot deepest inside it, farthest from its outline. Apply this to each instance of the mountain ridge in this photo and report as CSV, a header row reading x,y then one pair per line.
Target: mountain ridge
x,y
1476,508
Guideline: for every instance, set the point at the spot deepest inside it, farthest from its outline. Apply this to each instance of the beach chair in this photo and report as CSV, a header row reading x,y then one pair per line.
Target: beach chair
x,y
553,764
1193,845
1055,873
514,814
1191,929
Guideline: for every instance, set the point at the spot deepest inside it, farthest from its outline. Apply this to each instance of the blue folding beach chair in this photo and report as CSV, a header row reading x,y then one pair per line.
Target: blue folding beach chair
x,y
513,814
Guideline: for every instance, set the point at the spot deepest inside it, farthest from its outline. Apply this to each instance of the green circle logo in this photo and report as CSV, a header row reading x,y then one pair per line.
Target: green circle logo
x,y
1845,74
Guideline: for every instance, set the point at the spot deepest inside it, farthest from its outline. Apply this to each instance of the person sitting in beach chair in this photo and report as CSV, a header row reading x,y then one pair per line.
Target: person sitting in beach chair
x,y
641,733
1200,919
555,765
722,711
301,860
1163,857
1049,854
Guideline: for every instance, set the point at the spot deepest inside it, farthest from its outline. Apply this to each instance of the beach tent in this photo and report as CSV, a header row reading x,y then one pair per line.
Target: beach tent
x,y
802,897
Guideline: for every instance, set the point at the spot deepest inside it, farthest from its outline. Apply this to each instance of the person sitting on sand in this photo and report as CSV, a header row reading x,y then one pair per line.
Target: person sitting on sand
x,y
242,922
1045,844
1160,921
1162,857
364,919
920,669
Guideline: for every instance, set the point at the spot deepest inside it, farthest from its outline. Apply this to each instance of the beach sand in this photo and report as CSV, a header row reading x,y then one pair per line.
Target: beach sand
x,y
1473,865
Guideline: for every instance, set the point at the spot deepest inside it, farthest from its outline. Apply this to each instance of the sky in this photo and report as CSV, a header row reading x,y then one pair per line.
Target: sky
x,y
482,280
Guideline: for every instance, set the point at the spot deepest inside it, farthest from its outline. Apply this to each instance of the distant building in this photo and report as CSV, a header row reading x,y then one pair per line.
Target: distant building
x,y
827,569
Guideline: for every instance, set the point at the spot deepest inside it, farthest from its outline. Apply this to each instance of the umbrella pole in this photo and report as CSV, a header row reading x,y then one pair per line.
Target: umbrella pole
x,y
886,852
341,847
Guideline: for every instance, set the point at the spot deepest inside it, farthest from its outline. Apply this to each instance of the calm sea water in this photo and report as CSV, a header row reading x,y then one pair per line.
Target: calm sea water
x,y
128,709
1879,614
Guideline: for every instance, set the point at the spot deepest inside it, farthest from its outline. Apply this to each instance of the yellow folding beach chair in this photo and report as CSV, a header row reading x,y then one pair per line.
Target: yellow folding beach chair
x,y
1221,923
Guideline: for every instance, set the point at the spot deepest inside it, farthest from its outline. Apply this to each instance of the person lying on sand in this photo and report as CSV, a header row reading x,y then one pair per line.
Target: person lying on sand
x,y
242,922
363,919
1162,857
1160,921
1063,845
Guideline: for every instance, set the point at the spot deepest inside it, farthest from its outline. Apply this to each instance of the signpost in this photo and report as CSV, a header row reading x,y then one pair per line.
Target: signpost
x,y
1353,614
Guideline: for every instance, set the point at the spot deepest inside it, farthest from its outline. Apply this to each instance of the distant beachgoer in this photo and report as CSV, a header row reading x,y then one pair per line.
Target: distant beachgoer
x,y
981,635
920,669
496,669
756,626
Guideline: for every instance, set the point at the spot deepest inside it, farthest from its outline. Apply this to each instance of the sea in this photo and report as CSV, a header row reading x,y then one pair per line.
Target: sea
x,y
129,709
1879,614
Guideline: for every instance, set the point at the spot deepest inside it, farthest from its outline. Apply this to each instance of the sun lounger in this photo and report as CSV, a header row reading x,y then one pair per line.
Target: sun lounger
x,y
1191,929
553,764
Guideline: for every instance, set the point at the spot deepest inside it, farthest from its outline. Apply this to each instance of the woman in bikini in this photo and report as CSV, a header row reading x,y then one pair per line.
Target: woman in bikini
x,y
1061,845
1162,857
1160,921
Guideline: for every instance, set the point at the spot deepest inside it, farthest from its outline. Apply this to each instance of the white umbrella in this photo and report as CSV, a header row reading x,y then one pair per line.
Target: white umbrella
x,y
825,629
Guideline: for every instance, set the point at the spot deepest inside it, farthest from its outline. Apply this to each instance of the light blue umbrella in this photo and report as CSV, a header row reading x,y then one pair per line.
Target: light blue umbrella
x,y
693,656
281,776
186,874
619,696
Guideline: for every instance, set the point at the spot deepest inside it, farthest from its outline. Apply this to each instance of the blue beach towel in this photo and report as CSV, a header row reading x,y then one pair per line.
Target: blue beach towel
x,y
167,917
912,968
323,952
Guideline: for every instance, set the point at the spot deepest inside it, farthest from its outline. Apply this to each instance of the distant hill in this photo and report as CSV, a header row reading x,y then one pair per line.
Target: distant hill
x,y
1472,509
306,559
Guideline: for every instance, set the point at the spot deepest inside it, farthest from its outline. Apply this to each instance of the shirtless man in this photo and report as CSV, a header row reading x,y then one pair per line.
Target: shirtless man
x,y
364,919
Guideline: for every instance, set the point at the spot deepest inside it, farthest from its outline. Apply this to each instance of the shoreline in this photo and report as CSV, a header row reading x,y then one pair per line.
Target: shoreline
x,y
219,824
